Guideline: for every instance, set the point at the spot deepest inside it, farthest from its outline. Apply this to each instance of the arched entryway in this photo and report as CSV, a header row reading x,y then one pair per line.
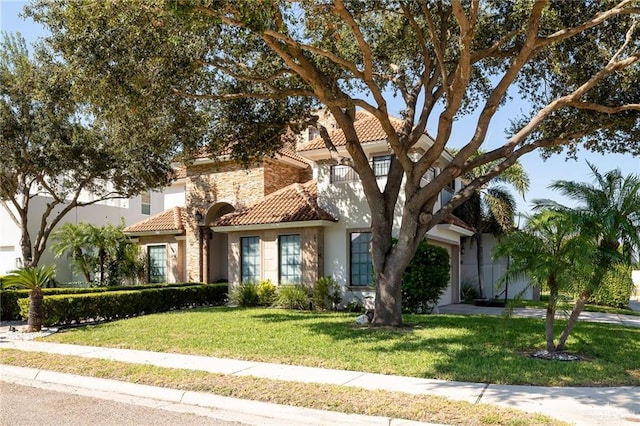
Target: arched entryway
x,y
216,251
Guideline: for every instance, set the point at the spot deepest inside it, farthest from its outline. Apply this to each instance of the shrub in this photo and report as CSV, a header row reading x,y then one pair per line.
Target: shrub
x,y
109,305
326,293
245,295
9,309
615,289
469,293
292,297
426,277
266,293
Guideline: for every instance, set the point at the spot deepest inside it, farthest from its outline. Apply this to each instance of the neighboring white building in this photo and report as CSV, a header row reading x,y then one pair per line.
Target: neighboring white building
x,y
113,211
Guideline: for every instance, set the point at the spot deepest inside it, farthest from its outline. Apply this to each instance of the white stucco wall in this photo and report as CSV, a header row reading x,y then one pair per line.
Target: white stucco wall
x,y
108,212
346,201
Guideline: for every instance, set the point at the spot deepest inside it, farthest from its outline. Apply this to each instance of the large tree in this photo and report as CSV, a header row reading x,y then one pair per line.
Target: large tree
x,y
52,146
255,69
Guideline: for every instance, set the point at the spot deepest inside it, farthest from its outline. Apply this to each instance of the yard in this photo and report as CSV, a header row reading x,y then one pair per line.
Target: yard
x,y
461,348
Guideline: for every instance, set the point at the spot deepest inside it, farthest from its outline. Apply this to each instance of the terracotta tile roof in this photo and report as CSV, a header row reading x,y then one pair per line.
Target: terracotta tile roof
x,y
367,127
180,172
293,203
455,220
289,153
172,219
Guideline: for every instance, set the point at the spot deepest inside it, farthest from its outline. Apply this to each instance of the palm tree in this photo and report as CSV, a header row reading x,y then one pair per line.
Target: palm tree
x,y
492,207
609,212
548,251
35,279
75,241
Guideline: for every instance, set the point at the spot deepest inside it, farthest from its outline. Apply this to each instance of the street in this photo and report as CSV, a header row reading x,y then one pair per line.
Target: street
x,y
26,405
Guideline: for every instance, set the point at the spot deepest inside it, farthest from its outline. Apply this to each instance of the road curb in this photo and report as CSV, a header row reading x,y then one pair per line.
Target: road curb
x,y
221,407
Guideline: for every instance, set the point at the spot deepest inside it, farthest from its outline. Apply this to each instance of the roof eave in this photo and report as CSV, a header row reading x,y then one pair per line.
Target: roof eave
x,y
152,233
277,225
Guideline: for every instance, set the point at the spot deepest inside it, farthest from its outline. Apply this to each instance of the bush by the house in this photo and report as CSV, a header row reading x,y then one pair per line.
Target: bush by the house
x,y
109,305
292,296
326,294
425,279
266,293
245,295
10,311
469,293
616,288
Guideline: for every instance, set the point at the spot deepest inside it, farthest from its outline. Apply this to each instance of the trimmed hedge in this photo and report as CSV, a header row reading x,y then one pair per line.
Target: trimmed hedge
x,y
9,309
615,289
110,305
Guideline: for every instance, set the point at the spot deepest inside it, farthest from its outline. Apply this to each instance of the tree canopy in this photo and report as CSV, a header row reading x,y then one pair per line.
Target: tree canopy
x,y
54,146
255,72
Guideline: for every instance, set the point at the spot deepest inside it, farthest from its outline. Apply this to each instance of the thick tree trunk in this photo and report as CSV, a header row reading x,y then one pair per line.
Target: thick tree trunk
x,y
36,310
573,319
388,304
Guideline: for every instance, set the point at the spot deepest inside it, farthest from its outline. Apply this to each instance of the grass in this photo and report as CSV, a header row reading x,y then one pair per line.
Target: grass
x,y
462,348
344,399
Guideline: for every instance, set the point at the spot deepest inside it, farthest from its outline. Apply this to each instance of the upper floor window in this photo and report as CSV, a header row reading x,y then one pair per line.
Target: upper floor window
x,y
342,173
249,259
289,255
145,203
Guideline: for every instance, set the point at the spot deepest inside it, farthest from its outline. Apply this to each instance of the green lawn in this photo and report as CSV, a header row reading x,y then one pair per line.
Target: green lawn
x,y
449,347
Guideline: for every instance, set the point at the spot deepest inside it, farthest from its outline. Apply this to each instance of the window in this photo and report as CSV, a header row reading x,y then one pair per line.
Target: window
x,y
249,259
381,165
342,173
145,203
157,263
447,193
360,259
290,259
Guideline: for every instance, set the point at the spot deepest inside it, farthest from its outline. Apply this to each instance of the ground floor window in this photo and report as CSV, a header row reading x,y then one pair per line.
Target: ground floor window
x,y
157,256
290,257
360,262
249,259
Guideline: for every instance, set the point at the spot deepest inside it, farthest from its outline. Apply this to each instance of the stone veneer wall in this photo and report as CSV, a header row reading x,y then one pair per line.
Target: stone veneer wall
x,y
208,184
277,175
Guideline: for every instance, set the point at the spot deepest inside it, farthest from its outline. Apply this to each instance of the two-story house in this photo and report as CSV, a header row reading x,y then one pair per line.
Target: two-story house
x,y
291,219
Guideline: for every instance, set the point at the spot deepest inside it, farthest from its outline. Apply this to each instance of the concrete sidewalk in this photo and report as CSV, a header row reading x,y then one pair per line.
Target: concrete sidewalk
x,y
583,406
625,320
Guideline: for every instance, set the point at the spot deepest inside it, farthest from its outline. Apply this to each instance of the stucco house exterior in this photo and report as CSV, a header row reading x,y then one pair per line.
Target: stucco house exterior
x,y
290,219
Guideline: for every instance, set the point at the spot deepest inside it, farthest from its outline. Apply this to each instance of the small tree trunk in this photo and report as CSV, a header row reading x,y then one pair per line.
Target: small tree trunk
x,y
573,319
388,304
36,310
551,315
480,259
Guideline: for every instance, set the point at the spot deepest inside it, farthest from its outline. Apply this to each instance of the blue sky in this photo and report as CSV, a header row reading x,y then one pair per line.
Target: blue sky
x,y
541,172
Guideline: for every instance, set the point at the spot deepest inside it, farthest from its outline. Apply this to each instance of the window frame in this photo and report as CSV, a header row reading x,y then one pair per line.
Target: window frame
x,y
163,266
351,255
145,203
256,264
298,257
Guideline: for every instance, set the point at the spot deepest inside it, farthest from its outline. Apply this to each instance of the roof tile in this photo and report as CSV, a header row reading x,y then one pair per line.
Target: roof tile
x,y
368,129
293,203
172,219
